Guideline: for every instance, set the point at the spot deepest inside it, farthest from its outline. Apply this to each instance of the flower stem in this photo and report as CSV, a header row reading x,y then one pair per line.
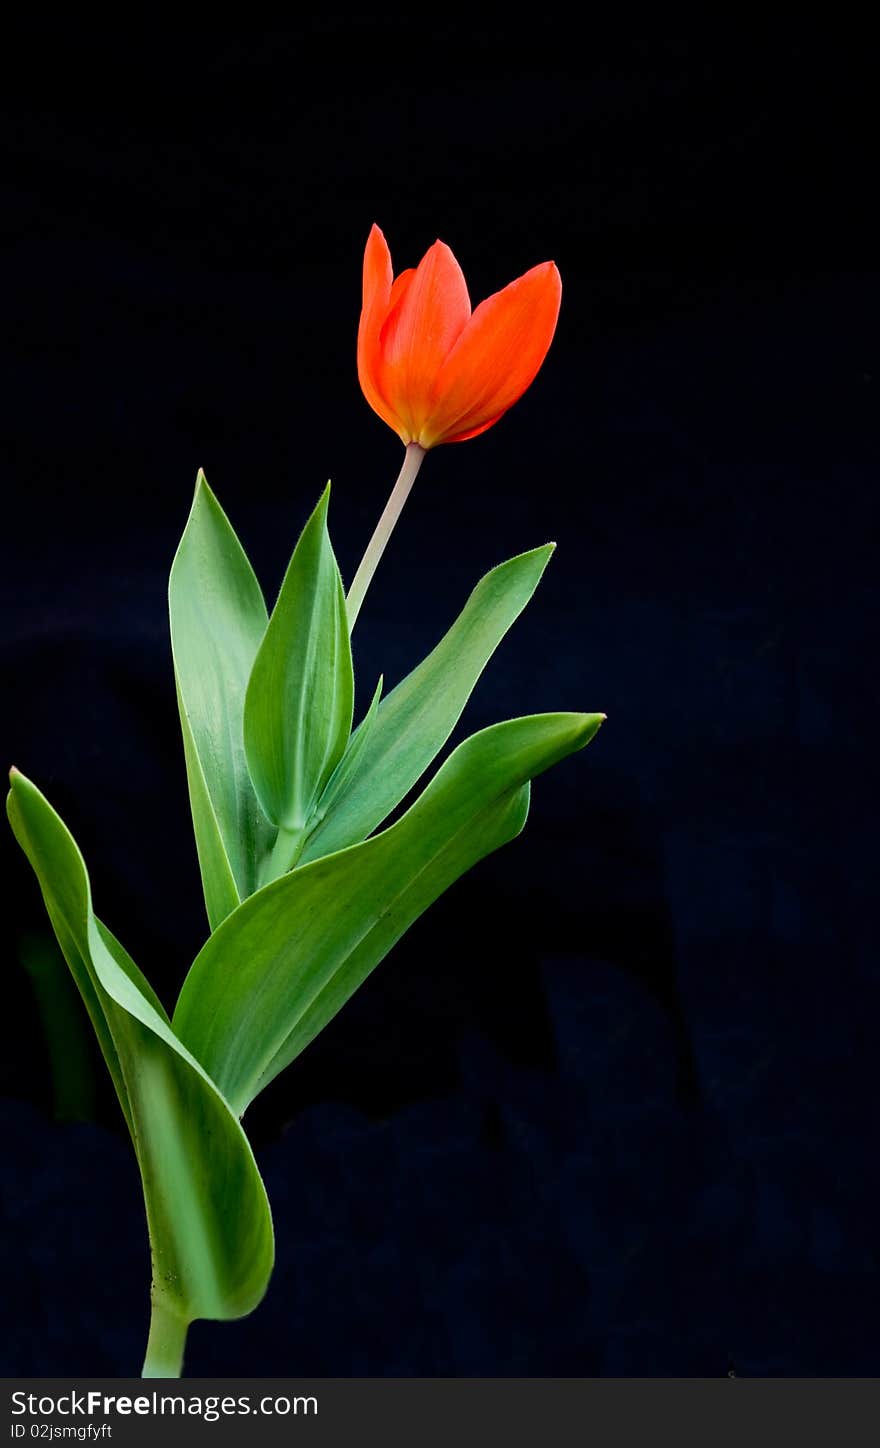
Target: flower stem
x,y
289,845
412,461
166,1342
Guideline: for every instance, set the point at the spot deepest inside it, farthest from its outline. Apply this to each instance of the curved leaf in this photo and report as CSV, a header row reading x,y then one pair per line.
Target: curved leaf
x,y
284,963
417,718
207,1212
298,709
218,619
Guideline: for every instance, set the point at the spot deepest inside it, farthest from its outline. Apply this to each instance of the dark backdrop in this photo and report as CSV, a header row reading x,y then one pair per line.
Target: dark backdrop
x,y
609,1108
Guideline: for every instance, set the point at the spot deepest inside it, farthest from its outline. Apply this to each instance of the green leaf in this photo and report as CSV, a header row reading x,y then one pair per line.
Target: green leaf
x,y
348,766
284,963
218,619
298,709
417,718
207,1213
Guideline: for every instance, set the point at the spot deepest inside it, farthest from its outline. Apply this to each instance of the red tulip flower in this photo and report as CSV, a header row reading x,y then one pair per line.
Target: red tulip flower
x,y
430,367
434,370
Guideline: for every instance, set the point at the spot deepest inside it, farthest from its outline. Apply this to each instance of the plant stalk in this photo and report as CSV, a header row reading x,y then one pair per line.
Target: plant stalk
x,y
289,845
166,1341
412,461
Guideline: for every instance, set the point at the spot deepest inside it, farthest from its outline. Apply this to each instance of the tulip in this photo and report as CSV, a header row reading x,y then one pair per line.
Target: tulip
x,y
432,369
437,372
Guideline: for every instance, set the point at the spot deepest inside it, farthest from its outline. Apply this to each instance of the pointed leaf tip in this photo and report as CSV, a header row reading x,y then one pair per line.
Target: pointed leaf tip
x,y
323,504
585,726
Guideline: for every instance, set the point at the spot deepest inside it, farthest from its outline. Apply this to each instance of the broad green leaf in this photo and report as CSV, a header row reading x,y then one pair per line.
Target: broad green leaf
x,y
218,619
207,1213
298,709
284,963
417,718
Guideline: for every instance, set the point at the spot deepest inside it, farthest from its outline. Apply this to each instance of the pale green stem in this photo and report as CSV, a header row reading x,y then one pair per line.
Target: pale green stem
x,y
412,461
166,1342
289,845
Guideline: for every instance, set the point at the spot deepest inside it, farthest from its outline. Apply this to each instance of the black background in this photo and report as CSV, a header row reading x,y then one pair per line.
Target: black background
x,y
610,1108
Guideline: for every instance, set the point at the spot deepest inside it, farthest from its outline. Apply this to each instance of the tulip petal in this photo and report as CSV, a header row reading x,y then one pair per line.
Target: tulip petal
x,y
378,273
398,288
428,315
495,358
475,431
370,361
377,296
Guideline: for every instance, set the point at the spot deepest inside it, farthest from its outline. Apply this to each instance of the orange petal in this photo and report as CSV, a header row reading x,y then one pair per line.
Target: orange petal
x,y
377,295
496,357
429,314
396,414
474,431
377,272
398,287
